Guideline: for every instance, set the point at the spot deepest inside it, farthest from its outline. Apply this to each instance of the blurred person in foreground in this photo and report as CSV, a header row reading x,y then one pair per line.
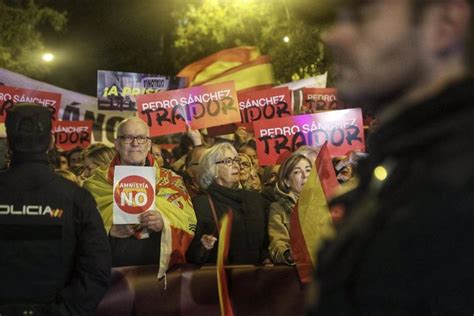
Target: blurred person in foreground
x,y
55,253
219,174
405,246
164,233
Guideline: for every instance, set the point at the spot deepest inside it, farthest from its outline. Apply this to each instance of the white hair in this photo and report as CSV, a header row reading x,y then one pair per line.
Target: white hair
x,y
207,163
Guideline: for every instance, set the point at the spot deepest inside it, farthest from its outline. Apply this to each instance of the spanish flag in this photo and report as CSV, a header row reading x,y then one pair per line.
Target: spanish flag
x,y
222,253
244,65
171,199
310,221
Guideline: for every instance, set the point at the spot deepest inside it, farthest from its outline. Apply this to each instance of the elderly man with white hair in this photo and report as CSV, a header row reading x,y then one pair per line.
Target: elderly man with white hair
x,y
170,225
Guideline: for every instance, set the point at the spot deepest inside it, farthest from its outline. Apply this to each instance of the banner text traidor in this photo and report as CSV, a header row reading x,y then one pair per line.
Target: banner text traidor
x,y
72,134
342,129
199,107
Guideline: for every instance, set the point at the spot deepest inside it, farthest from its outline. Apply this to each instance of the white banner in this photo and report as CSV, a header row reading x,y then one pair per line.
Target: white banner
x,y
74,106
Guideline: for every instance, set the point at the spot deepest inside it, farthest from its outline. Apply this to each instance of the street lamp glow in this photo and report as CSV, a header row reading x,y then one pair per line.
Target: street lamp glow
x,y
48,57
286,39
380,173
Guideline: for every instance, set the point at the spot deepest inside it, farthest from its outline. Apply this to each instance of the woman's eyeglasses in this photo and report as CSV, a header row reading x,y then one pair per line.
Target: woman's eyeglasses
x,y
128,139
245,164
229,161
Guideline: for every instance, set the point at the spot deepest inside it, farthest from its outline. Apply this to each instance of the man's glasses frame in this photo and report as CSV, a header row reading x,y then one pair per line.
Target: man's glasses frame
x,y
128,139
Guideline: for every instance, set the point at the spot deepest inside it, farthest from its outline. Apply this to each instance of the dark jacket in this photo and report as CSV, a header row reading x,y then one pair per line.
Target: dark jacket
x,y
53,245
407,245
249,238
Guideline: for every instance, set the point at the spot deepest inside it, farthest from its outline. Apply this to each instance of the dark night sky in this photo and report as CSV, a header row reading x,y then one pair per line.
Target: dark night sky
x,y
119,35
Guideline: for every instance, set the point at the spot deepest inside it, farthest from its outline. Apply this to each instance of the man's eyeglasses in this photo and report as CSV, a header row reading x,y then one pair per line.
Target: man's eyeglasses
x,y
128,139
229,161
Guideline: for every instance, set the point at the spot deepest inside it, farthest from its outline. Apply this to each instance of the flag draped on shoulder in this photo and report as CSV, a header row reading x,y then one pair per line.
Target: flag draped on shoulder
x,y
244,65
310,221
171,199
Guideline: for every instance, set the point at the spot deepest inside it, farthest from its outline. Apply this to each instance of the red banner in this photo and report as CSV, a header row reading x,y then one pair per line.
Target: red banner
x,y
342,129
264,105
320,99
12,95
71,134
199,107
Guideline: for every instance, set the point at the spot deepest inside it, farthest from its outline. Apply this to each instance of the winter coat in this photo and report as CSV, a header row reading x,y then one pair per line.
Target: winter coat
x,y
407,244
248,240
279,226
55,256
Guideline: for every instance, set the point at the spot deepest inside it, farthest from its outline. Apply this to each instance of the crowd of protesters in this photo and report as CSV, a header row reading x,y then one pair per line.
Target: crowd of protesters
x,y
405,243
219,173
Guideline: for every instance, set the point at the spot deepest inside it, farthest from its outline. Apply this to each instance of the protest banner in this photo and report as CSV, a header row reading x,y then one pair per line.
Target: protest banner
x,y
264,105
199,107
320,99
11,95
296,88
117,90
134,193
342,129
74,106
72,134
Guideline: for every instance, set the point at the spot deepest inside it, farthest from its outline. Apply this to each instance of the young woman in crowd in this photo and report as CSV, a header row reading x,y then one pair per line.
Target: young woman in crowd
x,y
291,178
219,176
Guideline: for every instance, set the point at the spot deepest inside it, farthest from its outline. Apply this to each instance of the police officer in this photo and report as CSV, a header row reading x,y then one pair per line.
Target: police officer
x,y
54,252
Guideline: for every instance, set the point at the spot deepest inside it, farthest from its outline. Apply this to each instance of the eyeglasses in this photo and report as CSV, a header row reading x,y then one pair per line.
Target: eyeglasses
x,y
229,161
128,139
245,164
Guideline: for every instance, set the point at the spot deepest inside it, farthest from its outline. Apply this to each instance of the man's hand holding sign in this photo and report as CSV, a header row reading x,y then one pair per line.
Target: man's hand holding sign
x,y
151,220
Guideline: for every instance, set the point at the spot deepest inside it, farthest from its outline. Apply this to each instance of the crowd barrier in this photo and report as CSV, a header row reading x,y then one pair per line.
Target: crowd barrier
x,y
192,290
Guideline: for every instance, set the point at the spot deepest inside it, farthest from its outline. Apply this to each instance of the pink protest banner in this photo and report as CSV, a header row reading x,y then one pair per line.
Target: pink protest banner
x,y
264,105
169,112
71,134
342,129
320,99
11,95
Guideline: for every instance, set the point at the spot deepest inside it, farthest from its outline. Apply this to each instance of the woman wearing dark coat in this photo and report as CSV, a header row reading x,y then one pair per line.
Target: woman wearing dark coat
x,y
219,175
